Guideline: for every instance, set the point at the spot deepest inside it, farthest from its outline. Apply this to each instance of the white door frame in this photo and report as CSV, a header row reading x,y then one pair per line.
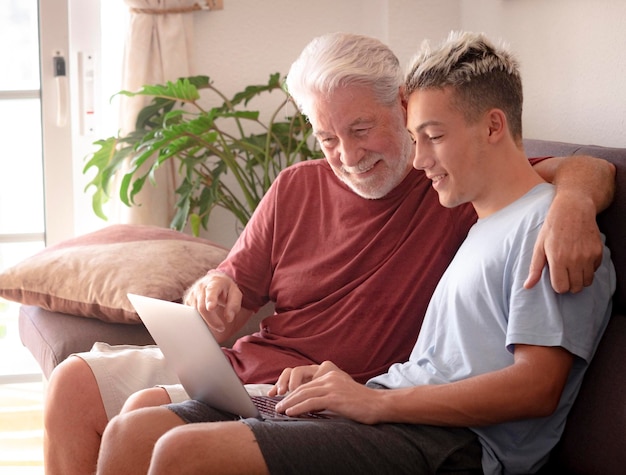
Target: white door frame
x,y
69,29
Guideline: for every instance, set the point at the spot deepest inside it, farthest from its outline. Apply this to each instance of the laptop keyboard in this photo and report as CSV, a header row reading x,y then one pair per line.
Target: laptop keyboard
x,y
267,407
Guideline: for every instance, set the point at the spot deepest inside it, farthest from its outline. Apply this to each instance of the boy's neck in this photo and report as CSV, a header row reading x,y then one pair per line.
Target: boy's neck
x,y
509,179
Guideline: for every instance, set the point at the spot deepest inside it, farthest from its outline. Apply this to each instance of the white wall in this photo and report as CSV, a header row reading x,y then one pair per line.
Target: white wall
x,y
249,39
573,60
573,52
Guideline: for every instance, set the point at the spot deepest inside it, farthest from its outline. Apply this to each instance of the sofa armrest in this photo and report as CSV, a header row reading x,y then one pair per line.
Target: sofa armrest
x,y
52,336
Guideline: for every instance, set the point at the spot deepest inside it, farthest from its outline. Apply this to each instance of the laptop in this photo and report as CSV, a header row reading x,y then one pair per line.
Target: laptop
x,y
193,353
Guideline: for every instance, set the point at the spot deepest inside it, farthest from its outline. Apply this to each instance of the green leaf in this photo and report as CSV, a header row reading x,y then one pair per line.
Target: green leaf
x,y
195,223
184,89
226,155
250,92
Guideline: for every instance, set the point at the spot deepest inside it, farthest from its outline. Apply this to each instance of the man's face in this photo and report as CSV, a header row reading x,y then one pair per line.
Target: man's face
x,y
365,143
447,147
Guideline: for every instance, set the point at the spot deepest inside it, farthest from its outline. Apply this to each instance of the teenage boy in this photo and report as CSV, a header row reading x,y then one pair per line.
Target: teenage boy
x,y
496,366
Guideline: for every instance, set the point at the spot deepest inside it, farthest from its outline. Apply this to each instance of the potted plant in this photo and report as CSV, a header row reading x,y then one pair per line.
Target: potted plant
x,y
206,144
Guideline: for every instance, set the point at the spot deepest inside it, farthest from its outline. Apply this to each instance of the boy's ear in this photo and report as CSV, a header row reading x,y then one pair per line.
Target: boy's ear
x,y
496,121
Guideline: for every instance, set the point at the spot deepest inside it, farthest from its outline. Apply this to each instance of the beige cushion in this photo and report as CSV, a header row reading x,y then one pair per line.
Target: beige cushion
x,y
90,275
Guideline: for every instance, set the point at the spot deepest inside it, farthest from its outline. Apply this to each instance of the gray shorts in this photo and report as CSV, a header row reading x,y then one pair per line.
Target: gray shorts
x,y
343,446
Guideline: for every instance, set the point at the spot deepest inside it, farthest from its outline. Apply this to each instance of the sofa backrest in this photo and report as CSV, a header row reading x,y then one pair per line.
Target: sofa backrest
x,y
594,441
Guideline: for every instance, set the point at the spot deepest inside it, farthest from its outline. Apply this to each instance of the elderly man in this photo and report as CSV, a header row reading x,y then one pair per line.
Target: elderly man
x,y
349,248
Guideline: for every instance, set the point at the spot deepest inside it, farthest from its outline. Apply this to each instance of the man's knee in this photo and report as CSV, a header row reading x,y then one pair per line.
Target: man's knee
x,y
73,392
146,398
69,373
71,381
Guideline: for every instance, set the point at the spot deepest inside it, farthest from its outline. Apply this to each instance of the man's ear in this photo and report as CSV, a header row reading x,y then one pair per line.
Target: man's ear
x,y
497,124
402,97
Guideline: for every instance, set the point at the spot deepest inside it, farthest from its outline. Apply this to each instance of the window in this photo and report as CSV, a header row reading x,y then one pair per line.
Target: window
x,y
22,230
42,123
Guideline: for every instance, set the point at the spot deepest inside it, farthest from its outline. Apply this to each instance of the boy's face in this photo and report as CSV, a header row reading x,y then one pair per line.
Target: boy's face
x,y
364,141
448,148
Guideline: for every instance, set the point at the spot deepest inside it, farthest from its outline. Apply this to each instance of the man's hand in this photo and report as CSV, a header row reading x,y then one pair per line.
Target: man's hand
x,y
570,243
217,298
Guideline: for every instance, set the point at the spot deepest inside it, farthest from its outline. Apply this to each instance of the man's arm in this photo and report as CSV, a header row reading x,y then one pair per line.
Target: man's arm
x,y
530,387
569,241
218,299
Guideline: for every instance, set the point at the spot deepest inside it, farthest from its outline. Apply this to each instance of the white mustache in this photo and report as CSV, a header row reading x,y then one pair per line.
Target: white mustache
x,y
362,166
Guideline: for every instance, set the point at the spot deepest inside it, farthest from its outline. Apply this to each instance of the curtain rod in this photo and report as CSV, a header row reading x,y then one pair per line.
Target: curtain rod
x,y
207,5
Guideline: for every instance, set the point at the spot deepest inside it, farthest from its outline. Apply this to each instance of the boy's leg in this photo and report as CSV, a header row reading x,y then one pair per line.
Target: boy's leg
x,y
130,439
222,447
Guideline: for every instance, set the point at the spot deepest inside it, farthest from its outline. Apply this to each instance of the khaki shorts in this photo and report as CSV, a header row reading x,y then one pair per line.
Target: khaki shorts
x,y
125,369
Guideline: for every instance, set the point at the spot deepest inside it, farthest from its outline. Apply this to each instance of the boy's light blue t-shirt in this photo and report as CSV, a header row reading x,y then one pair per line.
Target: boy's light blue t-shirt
x,y
480,310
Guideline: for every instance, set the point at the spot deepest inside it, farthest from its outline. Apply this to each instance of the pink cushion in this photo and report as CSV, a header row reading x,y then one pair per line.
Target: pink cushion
x,y
90,275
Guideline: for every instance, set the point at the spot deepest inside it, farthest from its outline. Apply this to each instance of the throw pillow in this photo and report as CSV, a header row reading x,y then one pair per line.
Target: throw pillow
x,y
90,275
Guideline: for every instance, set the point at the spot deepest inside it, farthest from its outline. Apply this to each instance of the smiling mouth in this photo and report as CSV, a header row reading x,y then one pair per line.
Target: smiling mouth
x,y
360,169
436,178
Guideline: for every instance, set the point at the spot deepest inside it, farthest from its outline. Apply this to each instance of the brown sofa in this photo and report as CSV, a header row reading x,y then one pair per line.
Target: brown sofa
x,y
594,441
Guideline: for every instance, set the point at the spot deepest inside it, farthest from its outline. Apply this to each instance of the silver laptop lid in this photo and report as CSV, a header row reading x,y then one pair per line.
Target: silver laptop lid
x,y
193,353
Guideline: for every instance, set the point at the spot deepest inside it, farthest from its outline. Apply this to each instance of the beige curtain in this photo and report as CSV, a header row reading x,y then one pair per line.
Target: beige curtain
x,y
159,48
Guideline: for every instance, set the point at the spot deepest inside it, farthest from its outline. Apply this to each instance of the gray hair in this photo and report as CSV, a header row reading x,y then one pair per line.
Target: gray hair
x,y
339,60
484,76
